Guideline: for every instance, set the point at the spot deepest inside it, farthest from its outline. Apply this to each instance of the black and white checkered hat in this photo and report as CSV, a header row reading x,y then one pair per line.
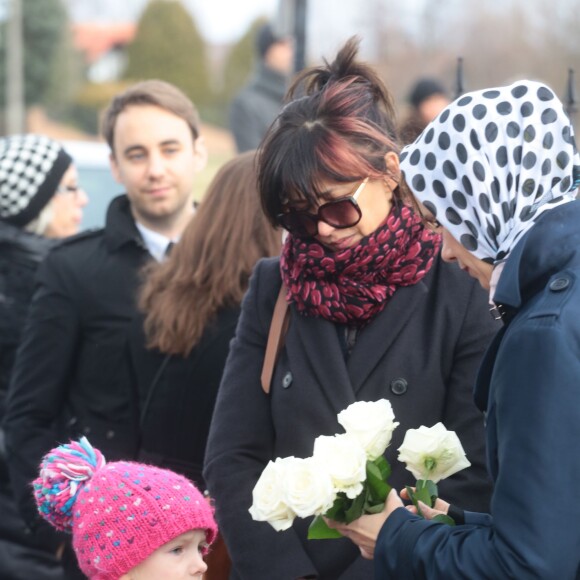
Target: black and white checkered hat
x,y
31,167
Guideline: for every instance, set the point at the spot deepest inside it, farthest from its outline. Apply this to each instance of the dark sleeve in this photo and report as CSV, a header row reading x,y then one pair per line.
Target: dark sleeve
x,y
40,379
535,531
471,488
240,445
245,125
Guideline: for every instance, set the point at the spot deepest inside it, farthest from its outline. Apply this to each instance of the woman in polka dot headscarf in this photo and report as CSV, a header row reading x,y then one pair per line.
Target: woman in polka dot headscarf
x,y
498,172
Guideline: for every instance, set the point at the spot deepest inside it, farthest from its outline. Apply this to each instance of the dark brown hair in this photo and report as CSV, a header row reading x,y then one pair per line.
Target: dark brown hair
x,y
339,130
151,92
210,267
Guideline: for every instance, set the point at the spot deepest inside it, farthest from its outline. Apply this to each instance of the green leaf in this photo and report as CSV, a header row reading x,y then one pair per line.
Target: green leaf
x,y
374,509
378,487
431,488
384,467
355,511
423,492
319,530
444,519
338,510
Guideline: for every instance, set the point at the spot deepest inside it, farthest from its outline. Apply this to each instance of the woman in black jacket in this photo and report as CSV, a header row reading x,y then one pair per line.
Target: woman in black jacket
x,y
40,201
191,304
374,313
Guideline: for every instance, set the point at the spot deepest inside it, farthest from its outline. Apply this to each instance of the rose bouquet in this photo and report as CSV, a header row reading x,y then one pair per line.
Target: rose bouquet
x,y
345,477
347,474
431,454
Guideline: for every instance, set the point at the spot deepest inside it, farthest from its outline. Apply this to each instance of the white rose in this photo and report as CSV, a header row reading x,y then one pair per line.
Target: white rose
x,y
432,453
345,460
372,423
268,505
307,488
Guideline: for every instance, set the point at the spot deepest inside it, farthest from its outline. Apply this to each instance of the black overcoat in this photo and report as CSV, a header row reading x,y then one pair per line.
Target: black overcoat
x,y
421,352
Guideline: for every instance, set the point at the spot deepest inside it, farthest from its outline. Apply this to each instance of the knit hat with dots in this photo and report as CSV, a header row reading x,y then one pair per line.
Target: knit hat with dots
x,y
119,513
31,167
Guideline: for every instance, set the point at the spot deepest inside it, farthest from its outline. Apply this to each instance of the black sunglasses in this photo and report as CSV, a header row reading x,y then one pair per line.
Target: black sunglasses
x,y
339,213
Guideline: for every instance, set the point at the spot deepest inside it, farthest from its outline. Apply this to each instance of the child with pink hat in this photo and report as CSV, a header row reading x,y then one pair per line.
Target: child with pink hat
x,y
129,521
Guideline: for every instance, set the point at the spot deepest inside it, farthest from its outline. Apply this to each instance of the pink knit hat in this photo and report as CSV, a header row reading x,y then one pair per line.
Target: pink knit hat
x,y
119,513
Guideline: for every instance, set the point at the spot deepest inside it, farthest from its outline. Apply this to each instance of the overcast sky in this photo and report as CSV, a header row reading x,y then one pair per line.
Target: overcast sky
x,y
219,20
330,22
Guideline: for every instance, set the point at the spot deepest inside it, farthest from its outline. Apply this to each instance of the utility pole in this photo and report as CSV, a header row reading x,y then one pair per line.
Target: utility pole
x,y
300,7
571,102
15,110
459,88
291,21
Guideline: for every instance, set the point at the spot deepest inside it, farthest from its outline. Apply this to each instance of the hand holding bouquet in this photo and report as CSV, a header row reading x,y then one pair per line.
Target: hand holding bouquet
x,y
345,477
431,454
347,474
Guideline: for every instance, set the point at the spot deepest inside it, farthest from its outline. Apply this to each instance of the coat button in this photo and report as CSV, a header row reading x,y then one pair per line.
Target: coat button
x,y
86,430
110,434
287,380
559,284
399,386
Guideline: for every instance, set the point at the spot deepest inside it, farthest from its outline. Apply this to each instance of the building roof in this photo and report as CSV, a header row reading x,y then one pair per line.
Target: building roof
x,y
96,39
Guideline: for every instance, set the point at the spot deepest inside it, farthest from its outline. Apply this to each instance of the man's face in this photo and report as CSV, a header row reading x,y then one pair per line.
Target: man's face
x,y
156,159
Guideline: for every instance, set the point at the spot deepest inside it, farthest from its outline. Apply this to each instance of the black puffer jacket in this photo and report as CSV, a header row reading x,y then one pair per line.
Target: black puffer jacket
x,y
22,555
20,255
71,375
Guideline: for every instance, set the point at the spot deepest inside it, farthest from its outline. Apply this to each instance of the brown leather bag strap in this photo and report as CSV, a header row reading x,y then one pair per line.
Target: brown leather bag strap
x,y
278,328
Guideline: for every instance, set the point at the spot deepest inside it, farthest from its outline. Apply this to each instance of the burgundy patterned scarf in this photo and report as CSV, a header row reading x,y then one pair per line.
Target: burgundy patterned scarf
x,y
352,286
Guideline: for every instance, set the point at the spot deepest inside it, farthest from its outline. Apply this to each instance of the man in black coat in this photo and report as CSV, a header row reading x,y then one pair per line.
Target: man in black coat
x,y
69,377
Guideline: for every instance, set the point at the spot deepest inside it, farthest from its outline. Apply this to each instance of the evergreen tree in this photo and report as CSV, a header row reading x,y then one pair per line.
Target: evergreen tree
x,y
169,47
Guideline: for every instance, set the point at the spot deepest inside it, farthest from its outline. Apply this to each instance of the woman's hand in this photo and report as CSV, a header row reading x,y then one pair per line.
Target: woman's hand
x,y
441,507
364,531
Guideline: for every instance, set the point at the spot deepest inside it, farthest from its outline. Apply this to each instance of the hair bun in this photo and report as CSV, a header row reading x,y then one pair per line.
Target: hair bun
x,y
63,472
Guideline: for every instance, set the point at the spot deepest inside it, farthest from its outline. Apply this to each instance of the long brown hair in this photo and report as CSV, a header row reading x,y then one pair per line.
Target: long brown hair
x,y
210,267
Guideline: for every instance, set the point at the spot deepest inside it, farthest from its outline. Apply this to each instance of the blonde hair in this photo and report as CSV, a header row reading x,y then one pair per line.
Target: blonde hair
x,y
41,222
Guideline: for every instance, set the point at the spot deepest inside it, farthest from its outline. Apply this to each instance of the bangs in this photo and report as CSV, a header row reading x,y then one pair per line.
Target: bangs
x,y
294,169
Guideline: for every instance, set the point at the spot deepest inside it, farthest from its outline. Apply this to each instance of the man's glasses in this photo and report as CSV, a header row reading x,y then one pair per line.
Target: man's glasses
x,y
339,213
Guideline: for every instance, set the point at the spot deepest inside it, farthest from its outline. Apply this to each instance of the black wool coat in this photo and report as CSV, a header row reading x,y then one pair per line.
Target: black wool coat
x,y
421,352
177,394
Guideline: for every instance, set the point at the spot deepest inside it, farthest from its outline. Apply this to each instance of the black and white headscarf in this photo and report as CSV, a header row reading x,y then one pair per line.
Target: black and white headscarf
x,y
492,162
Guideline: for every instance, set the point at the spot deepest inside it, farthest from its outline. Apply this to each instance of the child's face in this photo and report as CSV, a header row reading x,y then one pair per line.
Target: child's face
x,y
179,559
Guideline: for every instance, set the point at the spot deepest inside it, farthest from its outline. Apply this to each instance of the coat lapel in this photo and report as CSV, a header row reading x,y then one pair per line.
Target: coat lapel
x,y
375,340
318,345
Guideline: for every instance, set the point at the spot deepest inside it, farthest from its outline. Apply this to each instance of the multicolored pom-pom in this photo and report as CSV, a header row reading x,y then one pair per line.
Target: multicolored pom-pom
x,y
63,472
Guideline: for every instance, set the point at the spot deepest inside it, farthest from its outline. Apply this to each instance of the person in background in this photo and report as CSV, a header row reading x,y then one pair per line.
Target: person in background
x,y
259,102
40,202
507,209
427,99
191,305
128,521
373,313
71,374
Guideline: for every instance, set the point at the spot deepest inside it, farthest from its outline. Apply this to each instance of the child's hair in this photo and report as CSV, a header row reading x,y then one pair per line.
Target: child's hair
x,y
118,513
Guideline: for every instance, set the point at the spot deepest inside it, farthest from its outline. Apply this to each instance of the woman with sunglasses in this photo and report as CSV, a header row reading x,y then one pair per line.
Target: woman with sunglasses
x,y
374,313
512,222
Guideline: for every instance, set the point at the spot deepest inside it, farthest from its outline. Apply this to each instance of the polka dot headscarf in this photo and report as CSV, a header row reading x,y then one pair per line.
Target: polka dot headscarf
x,y
492,162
